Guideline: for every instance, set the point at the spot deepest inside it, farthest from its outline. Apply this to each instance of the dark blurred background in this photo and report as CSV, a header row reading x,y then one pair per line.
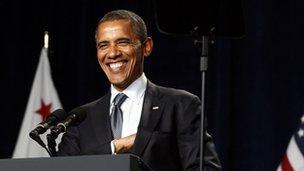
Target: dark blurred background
x,y
255,85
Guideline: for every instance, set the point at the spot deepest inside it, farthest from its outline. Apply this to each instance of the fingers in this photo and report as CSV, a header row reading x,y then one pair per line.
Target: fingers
x,y
125,144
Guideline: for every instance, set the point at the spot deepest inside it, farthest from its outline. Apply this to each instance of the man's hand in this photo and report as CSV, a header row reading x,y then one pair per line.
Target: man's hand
x,y
125,144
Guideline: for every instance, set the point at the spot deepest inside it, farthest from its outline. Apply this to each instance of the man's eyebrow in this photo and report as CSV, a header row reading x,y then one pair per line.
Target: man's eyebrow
x,y
123,38
117,40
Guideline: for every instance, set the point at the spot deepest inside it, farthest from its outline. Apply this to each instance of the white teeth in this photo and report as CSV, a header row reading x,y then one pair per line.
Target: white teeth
x,y
115,65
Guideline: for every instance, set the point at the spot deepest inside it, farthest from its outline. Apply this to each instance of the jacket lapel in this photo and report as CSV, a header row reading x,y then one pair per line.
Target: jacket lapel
x,y
101,119
151,113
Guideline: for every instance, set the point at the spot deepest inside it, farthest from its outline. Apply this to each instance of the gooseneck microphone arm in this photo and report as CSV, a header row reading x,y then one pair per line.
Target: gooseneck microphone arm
x,y
41,128
61,127
37,138
51,139
76,116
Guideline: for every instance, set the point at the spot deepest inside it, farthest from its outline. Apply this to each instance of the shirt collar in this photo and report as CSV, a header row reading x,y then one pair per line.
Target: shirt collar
x,y
134,91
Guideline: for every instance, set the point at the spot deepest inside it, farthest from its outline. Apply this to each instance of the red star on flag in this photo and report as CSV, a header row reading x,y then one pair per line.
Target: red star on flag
x,y
44,110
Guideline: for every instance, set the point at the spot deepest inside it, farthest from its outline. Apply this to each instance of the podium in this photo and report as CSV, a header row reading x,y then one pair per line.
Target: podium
x,y
122,162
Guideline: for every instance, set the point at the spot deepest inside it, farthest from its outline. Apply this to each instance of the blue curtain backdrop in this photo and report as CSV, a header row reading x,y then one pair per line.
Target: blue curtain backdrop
x,y
255,85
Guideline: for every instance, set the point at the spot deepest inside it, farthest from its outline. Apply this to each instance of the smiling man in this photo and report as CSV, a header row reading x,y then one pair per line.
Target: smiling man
x,y
160,125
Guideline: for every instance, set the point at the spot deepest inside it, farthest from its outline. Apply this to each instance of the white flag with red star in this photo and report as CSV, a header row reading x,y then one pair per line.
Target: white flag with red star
x,y
42,101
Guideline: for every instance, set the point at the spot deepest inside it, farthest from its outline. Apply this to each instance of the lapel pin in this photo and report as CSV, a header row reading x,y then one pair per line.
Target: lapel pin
x,y
155,107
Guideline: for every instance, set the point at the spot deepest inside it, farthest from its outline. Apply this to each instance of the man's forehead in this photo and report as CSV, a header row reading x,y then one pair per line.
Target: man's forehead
x,y
111,31
114,26
115,22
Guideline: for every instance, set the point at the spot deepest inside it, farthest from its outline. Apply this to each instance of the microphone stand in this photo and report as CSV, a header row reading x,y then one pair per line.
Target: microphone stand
x,y
202,42
51,139
41,143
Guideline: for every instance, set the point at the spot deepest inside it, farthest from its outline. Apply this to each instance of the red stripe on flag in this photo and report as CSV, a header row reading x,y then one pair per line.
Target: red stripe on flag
x,y
286,164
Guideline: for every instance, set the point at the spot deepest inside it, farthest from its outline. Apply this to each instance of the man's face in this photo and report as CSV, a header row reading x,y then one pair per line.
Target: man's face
x,y
120,52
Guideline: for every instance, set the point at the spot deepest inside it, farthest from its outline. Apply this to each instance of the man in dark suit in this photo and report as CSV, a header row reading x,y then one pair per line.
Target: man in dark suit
x,y
160,125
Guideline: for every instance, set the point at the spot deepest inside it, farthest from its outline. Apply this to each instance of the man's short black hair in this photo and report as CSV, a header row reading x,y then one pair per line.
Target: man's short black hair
x,y
137,23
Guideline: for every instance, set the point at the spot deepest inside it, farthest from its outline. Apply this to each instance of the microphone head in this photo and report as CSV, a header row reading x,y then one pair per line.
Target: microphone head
x,y
58,114
52,120
79,113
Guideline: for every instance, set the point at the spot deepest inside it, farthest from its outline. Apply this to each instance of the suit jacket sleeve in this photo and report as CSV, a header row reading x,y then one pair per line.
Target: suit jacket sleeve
x,y
92,136
71,145
188,131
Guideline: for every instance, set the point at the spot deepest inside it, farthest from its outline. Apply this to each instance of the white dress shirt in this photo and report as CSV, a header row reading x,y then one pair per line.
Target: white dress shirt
x,y
131,107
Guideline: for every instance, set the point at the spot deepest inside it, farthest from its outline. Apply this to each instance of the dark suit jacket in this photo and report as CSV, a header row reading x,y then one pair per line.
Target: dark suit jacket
x,y
168,136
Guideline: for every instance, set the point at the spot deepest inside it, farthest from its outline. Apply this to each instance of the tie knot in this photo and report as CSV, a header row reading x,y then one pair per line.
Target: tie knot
x,y
119,99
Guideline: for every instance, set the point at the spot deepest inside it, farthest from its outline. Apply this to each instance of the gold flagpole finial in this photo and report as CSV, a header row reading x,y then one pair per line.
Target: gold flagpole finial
x,y
46,39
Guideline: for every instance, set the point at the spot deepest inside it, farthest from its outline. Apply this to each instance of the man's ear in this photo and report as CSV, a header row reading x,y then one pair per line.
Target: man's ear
x,y
148,47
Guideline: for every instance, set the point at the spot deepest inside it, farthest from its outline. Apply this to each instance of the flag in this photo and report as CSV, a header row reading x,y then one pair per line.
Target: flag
x,y
293,159
42,101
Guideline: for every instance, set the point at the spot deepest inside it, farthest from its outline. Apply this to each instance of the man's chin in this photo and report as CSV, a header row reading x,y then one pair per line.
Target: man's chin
x,y
119,85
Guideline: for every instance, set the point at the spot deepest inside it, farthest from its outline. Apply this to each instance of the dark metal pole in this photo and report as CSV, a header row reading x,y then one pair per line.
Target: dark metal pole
x,y
203,69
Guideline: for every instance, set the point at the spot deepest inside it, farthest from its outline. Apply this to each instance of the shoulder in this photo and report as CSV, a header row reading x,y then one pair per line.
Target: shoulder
x,y
101,100
172,94
95,110
97,106
92,103
175,92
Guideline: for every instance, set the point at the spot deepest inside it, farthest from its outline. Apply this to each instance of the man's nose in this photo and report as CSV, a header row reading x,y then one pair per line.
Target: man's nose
x,y
113,51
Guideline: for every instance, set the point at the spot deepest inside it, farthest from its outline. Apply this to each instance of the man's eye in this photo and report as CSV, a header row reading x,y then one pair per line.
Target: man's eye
x,y
102,46
123,43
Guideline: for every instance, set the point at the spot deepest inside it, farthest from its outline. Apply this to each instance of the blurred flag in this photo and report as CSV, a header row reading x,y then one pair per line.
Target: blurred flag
x,y
42,101
293,159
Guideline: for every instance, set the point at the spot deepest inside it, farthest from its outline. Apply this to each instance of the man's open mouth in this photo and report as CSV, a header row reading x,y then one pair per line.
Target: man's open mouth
x,y
116,66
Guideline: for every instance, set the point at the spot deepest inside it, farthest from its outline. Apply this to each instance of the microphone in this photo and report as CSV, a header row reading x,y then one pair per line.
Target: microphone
x,y
52,120
76,116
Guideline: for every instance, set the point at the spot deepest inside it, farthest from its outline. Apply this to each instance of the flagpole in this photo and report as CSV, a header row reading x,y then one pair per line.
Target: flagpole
x,y
36,137
50,143
50,140
46,39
